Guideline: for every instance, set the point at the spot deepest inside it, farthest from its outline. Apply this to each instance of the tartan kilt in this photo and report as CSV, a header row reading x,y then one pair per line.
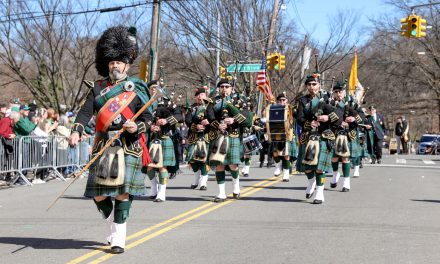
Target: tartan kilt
x,y
293,148
133,181
233,155
324,158
169,156
191,150
355,148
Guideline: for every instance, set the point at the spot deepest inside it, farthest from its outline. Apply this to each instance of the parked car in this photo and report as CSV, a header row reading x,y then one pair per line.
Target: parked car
x,y
429,144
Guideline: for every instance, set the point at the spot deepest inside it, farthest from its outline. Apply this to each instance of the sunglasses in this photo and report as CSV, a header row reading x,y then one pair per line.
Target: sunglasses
x,y
312,84
225,86
337,91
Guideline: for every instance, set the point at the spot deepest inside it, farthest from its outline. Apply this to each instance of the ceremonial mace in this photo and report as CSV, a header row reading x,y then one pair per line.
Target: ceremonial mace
x,y
157,95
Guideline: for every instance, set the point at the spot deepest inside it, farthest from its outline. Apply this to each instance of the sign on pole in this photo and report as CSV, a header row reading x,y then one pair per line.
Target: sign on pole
x,y
244,67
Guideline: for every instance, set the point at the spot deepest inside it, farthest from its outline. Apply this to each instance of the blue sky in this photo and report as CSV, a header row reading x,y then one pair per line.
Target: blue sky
x,y
314,14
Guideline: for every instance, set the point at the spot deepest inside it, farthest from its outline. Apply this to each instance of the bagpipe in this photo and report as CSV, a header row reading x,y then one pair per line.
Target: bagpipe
x,y
200,152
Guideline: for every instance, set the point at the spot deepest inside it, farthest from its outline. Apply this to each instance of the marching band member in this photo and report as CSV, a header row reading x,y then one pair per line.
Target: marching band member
x,y
162,149
347,143
115,99
225,150
282,151
198,139
314,157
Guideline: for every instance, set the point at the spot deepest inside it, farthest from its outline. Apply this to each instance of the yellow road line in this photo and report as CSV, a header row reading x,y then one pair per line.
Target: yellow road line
x,y
250,189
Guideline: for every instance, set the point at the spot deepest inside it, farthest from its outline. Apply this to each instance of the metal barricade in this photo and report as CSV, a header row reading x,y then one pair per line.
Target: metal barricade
x,y
38,153
10,152
32,153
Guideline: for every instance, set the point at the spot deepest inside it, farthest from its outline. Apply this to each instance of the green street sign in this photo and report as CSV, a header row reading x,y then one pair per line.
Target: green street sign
x,y
244,67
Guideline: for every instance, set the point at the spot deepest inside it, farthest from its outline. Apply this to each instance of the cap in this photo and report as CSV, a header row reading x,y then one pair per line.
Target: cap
x,y
70,114
223,81
281,96
24,107
15,101
3,105
199,91
312,78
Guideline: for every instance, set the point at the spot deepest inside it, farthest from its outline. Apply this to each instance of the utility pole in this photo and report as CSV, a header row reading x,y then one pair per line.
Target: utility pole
x,y
273,24
154,47
217,62
272,29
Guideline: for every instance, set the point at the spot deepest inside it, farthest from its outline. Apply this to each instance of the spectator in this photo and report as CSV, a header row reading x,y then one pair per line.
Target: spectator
x,y
70,120
6,126
22,125
46,125
24,111
14,106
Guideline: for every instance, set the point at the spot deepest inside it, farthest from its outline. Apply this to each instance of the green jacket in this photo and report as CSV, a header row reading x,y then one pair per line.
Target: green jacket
x,y
23,127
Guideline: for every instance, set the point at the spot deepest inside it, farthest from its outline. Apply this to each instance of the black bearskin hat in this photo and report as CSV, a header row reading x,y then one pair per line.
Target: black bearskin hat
x,y
116,44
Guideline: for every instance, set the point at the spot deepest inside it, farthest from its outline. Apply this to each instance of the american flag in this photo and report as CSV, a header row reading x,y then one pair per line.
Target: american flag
x,y
263,82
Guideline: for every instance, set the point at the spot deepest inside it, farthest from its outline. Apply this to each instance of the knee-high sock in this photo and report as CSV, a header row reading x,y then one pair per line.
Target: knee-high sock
x,y
235,182
204,169
105,207
197,175
195,166
346,169
154,183
276,159
122,209
220,176
311,182
320,179
336,174
246,161
163,180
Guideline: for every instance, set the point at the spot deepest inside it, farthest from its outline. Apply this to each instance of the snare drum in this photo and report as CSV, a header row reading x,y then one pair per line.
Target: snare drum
x,y
251,143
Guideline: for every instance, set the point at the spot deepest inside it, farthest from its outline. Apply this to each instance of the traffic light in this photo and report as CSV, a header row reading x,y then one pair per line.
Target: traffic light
x,y
222,72
269,62
276,61
404,28
421,27
413,25
282,62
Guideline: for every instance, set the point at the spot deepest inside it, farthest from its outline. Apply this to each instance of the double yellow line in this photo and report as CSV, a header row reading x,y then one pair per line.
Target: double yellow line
x,y
174,222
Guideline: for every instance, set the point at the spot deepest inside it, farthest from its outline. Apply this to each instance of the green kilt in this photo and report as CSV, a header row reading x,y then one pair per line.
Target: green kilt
x,y
133,181
293,148
191,150
324,158
355,148
169,156
233,154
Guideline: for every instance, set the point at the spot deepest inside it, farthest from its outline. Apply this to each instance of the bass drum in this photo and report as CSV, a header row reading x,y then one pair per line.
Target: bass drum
x,y
279,123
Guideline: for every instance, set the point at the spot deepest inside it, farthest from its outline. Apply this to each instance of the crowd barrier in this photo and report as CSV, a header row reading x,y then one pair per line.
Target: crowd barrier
x,y
52,153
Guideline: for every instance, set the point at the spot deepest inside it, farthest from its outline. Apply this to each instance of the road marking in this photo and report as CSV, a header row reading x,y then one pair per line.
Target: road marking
x,y
401,161
213,206
401,166
428,162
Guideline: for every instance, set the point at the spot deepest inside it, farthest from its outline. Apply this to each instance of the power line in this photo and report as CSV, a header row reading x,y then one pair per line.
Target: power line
x,y
56,13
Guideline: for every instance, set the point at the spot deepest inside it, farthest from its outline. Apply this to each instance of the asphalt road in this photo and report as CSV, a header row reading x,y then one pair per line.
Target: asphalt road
x,y
389,216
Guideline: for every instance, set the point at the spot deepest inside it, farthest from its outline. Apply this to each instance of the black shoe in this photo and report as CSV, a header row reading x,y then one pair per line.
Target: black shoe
x,y
361,165
153,197
219,200
317,201
203,188
333,185
373,161
236,196
193,186
309,195
158,200
172,175
245,175
117,250
261,164
379,161
345,190
286,180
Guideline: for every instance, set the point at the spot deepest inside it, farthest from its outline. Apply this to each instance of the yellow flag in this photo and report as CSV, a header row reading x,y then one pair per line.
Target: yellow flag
x,y
353,75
